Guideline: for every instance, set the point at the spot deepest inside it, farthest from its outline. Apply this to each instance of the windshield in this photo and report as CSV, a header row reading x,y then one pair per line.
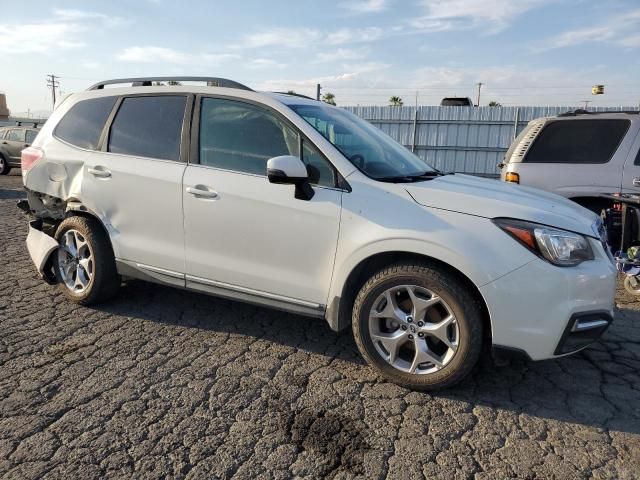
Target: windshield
x,y
373,152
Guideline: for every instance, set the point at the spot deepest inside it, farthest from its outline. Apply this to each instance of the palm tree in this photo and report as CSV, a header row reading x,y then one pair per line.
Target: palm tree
x,y
395,101
493,103
329,98
291,92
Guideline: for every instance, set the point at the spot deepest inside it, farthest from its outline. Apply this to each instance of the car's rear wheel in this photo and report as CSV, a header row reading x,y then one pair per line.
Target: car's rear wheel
x,y
4,166
632,285
418,325
84,262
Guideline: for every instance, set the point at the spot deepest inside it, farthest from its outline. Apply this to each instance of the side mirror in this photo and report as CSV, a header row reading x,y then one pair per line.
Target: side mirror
x,y
289,170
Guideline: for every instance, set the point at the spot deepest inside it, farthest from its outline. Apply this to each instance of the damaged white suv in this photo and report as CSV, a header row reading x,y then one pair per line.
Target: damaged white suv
x,y
288,202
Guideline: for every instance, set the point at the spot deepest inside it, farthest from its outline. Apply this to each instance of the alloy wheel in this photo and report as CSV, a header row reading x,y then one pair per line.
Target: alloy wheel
x,y
413,329
75,261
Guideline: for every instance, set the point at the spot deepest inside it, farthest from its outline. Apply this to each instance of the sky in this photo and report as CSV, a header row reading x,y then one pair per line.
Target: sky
x,y
525,52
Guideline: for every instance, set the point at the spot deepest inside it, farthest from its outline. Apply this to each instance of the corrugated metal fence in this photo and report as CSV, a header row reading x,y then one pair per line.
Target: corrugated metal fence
x,y
459,139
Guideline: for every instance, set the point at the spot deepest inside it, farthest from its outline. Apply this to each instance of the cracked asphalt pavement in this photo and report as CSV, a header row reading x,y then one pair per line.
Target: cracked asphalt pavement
x,y
162,383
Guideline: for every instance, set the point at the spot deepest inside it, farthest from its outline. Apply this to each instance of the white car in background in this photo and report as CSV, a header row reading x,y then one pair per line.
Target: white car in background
x,y
291,203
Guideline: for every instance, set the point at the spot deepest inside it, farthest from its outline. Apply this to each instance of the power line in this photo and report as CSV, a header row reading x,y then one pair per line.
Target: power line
x,y
53,83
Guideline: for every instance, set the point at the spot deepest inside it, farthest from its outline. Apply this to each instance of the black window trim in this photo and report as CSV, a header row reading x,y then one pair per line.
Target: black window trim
x,y
103,143
194,158
615,150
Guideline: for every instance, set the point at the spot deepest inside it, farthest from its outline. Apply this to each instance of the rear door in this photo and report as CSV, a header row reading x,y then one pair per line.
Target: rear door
x,y
135,181
14,143
246,235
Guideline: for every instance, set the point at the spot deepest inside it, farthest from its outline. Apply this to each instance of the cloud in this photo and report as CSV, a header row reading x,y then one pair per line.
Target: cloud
x,y
265,63
308,38
152,54
349,73
619,29
494,15
60,32
353,35
282,37
365,6
340,54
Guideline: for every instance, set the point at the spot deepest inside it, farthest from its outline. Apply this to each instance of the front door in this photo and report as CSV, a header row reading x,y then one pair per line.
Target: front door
x,y
245,235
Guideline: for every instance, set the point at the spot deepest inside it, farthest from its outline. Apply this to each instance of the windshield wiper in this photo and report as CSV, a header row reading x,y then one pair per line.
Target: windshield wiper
x,y
416,177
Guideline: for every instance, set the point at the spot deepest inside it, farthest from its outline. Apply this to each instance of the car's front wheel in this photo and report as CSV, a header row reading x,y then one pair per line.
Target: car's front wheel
x,y
84,262
418,325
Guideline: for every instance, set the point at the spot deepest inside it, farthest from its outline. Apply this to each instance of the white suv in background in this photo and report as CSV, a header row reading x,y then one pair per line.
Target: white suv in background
x,y
291,203
579,155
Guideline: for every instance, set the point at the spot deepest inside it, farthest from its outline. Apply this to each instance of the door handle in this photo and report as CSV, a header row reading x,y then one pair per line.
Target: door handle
x,y
636,182
200,192
98,172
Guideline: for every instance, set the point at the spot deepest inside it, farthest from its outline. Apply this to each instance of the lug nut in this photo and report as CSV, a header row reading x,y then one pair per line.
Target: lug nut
x,y
421,335
420,324
410,337
409,319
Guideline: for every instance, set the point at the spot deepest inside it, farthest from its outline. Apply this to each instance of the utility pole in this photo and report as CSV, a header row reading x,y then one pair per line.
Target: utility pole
x,y
586,103
53,83
479,88
318,88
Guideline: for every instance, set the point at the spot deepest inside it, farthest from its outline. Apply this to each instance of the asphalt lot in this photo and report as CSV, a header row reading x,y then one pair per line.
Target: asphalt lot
x,y
166,383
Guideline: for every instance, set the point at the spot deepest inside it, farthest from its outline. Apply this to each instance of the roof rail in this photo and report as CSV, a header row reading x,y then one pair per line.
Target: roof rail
x,y
148,81
294,94
581,111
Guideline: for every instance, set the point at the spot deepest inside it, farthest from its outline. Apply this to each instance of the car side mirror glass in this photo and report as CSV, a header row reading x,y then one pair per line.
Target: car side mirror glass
x,y
289,170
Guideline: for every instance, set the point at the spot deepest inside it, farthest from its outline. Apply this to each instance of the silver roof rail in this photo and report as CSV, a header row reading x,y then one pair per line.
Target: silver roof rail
x,y
148,81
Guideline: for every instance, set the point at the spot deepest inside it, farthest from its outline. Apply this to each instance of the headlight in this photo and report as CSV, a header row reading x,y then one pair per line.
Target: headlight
x,y
559,247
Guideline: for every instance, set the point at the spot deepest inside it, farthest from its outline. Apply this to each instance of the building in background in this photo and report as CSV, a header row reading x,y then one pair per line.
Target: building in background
x,y
4,111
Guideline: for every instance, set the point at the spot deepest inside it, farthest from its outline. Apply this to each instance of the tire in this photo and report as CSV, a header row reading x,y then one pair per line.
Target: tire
x,y
630,287
4,166
95,278
450,298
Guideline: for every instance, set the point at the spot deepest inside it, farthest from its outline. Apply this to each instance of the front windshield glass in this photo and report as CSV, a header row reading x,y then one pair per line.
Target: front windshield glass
x,y
368,148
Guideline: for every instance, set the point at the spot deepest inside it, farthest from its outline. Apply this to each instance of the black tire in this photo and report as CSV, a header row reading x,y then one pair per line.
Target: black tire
x,y
4,165
105,280
448,287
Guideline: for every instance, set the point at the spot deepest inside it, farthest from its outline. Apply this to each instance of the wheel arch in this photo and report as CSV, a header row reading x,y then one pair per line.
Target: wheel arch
x,y
75,208
339,311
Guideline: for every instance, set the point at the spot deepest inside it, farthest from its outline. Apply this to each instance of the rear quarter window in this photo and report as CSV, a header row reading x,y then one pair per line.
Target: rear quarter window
x,y
83,123
578,141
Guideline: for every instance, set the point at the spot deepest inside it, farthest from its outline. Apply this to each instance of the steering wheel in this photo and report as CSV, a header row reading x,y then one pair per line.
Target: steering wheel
x,y
358,160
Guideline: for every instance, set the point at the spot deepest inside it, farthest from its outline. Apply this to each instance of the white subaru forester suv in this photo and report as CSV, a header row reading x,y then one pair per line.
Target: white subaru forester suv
x,y
290,203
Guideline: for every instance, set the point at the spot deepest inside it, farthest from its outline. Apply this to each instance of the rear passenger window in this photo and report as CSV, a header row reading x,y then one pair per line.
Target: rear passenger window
x,y
149,127
82,125
242,137
578,141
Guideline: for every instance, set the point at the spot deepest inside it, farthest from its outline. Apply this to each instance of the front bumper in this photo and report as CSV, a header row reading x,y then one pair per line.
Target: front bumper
x,y
532,308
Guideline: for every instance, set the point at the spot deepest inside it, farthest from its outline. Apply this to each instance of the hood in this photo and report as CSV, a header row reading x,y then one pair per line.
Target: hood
x,y
492,198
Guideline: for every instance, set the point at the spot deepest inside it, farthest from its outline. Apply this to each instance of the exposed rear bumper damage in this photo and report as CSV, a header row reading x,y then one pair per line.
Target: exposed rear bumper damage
x,y
41,246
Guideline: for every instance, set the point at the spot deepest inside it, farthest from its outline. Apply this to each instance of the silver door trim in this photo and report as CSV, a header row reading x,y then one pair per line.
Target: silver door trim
x,y
257,293
163,271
